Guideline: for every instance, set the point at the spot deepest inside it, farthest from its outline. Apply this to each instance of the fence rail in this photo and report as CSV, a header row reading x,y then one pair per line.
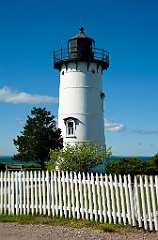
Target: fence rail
x,y
103,198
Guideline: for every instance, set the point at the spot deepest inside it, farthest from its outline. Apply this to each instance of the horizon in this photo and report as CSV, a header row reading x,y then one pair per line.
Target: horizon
x,y
6,156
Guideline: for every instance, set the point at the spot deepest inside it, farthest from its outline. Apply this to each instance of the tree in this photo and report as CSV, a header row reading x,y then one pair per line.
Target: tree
x,y
39,136
151,166
132,166
81,157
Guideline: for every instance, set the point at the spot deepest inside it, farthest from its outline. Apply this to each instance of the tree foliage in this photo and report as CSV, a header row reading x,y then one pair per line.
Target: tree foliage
x,y
133,166
81,157
38,137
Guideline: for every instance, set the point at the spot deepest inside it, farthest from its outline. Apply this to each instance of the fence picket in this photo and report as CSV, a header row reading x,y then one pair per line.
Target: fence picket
x,y
143,202
156,184
128,215
28,192
52,193
81,195
60,194
130,184
9,193
112,199
99,198
5,193
137,203
94,198
90,210
76,196
35,196
122,200
1,198
72,194
32,192
47,193
23,194
64,195
85,196
108,199
44,192
103,199
148,203
20,192
153,202
118,208
16,194
68,195
40,192
12,193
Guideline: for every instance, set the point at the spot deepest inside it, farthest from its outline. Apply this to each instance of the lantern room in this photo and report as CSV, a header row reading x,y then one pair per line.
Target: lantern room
x,y
80,46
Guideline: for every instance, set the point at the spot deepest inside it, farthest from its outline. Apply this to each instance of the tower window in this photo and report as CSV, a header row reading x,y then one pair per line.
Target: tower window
x,y
70,124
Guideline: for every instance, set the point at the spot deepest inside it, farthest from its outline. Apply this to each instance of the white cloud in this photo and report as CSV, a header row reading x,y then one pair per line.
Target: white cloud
x,y
8,95
20,121
113,125
145,131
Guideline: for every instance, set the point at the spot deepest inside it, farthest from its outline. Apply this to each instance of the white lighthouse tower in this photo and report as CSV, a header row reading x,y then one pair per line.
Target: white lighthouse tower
x,y
80,114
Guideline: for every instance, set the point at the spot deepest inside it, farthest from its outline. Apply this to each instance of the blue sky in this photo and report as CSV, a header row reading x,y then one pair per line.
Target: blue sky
x,y
29,32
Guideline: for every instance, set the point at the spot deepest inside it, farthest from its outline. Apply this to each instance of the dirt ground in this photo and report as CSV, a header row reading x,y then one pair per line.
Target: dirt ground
x,y
12,231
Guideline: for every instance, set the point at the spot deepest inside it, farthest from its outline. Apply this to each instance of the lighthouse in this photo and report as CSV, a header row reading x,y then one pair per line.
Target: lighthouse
x,y
80,113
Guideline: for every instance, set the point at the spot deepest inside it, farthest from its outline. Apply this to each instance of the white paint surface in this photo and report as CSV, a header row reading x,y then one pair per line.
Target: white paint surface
x,y
80,98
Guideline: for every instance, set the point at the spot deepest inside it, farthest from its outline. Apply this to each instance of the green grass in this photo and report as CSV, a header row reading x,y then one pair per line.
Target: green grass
x,y
60,221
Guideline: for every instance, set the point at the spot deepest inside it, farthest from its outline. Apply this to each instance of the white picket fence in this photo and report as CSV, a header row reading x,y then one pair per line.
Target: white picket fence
x,y
101,197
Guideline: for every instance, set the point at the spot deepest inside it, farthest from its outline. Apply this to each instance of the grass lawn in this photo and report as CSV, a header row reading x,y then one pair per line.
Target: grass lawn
x,y
59,221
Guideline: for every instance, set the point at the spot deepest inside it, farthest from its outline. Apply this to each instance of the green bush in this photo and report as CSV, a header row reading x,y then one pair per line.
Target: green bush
x,y
133,166
31,165
81,157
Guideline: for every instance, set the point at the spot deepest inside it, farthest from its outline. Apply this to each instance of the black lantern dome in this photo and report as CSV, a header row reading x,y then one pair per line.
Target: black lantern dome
x,y
81,48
